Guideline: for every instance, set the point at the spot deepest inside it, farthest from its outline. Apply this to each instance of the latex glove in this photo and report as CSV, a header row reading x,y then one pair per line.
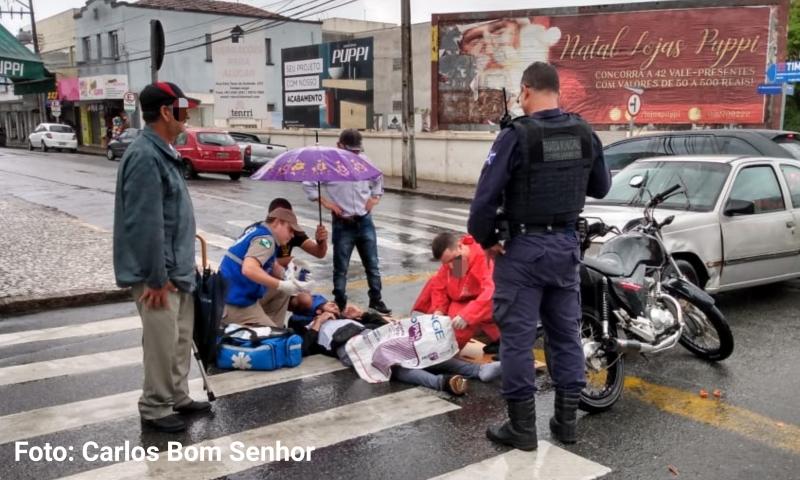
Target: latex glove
x,y
306,286
289,287
459,323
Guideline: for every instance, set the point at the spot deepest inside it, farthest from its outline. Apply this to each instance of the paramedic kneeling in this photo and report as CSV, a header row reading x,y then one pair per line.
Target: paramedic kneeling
x,y
257,293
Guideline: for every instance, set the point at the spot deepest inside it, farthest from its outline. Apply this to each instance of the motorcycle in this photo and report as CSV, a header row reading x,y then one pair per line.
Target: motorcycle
x,y
636,300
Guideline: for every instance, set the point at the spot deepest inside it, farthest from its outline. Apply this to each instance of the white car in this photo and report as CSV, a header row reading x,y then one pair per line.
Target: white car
x,y
735,227
53,135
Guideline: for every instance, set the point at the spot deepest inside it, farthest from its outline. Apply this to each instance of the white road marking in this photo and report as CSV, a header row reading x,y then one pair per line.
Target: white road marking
x,y
29,372
42,421
69,331
451,216
319,430
547,463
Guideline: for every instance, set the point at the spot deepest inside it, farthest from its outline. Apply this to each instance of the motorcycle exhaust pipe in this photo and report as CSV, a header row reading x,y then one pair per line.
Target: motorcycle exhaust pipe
x,y
639,347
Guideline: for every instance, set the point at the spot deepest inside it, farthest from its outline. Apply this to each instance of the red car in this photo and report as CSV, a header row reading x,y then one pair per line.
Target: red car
x,y
209,151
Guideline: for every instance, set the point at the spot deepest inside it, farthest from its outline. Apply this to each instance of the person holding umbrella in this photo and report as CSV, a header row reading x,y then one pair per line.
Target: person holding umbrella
x,y
351,204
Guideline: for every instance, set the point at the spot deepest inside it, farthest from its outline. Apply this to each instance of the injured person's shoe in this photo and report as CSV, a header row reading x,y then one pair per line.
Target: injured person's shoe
x,y
455,384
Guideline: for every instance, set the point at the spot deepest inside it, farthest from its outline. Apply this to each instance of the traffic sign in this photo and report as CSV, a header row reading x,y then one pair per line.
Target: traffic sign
x,y
784,72
129,101
55,108
634,105
775,88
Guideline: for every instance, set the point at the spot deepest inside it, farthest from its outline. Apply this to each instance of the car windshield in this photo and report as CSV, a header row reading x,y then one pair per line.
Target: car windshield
x,y
61,129
214,138
702,181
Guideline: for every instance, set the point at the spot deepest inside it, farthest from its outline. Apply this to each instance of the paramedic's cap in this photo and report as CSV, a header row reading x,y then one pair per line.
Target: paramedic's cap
x,y
159,94
287,216
351,139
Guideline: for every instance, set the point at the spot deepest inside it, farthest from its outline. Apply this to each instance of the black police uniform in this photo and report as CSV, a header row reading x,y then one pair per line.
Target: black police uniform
x,y
539,170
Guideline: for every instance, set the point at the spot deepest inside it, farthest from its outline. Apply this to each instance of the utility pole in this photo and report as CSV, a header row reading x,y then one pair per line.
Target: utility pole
x,y
33,29
409,157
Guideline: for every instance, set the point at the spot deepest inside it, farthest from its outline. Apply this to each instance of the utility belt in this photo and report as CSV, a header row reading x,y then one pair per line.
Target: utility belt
x,y
517,229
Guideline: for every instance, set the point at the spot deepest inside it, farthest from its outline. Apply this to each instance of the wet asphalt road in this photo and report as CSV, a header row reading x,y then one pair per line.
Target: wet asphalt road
x,y
660,428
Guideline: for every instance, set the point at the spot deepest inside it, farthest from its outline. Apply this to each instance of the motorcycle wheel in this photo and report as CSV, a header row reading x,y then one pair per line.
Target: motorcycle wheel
x,y
707,334
605,376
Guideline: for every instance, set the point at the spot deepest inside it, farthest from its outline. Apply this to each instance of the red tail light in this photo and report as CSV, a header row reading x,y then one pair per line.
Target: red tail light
x,y
248,151
48,135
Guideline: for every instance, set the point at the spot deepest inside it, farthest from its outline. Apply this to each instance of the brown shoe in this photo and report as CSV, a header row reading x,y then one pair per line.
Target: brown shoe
x,y
455,384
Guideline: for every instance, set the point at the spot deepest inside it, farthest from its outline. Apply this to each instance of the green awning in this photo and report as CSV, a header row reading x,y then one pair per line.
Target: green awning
x,y
22,66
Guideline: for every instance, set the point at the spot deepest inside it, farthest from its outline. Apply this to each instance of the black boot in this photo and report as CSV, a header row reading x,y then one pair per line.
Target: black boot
x,y
564,421
520,429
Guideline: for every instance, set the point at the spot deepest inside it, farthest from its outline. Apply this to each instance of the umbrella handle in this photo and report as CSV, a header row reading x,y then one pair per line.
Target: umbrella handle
x,y
203,251
319,200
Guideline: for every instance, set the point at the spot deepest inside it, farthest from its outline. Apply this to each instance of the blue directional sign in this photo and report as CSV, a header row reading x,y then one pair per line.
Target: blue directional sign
x,y
785,72
770,89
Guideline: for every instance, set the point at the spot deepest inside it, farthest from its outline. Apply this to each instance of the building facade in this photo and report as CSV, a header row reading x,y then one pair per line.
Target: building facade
x,y
112,50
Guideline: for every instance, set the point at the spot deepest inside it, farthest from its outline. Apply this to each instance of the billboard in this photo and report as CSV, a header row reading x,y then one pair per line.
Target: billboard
x,y
328,85
240,95
695,65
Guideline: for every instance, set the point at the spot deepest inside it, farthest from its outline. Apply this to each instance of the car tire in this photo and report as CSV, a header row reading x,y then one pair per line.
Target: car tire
x,y
235,176
44,146
110,154
73,150
30,146
189,173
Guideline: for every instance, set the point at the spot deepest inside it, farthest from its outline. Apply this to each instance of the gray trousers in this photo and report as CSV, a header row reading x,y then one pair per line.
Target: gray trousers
x,y
167,346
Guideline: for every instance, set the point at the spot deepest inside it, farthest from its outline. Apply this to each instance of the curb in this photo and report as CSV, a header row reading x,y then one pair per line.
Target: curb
x,y
20,305
431,195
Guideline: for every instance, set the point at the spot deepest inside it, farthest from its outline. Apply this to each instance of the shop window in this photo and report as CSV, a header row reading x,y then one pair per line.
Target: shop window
x,y
268,45
87,49
208,47
113,44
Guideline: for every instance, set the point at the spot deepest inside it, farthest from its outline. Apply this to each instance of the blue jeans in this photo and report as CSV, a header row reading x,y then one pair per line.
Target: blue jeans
x,y
359,234
433,377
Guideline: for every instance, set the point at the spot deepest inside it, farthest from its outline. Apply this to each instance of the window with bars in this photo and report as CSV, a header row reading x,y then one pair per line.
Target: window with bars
x,y
208,47
113,44
268,45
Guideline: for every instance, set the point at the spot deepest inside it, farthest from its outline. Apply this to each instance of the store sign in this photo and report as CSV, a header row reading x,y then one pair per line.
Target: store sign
x,y
329,85
697,65
103,87
239,74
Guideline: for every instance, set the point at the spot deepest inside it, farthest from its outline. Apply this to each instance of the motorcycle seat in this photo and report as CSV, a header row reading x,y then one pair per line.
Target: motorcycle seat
x,y
607,265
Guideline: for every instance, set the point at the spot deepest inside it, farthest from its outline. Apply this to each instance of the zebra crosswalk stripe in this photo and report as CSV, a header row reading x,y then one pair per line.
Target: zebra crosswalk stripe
x,y
317,430
548,462
112,325
32,423
29,372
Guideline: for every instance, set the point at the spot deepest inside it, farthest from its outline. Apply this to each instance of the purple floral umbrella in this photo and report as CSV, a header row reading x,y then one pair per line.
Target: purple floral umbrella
x,y
318,164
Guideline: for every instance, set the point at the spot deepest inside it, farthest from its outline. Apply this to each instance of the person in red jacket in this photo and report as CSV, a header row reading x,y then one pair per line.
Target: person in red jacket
x,y
462,288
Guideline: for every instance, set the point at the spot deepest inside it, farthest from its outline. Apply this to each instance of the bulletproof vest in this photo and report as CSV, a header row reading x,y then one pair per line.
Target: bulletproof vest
x,y
242,291
548,186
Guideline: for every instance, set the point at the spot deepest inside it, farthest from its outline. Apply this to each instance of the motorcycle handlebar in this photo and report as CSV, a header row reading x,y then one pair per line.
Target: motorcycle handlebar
x,y
663,195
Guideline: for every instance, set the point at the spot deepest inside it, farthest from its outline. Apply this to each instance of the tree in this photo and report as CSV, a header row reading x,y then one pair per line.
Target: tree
x,y
792,120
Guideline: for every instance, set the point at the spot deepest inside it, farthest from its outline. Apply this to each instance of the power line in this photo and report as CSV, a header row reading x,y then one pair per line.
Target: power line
x,y
267,26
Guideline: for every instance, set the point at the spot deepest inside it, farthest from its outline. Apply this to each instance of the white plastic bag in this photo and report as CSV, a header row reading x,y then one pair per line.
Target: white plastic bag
x,y
416,342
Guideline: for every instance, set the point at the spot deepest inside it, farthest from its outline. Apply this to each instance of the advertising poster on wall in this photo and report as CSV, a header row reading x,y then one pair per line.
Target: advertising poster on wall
x,y
328,85
695,65
239,80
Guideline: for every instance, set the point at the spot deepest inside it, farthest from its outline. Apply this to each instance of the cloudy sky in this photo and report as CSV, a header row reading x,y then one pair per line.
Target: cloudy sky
x,y
377,10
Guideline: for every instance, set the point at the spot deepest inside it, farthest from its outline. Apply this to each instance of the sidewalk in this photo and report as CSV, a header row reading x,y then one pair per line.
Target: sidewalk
x,y
68,263
430,189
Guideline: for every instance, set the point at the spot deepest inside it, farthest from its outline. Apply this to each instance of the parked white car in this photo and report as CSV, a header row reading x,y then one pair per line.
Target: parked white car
x,y
736,226
53,135
261,153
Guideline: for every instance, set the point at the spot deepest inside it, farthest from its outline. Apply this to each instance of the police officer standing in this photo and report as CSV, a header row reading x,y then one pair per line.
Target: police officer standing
x,y
538,173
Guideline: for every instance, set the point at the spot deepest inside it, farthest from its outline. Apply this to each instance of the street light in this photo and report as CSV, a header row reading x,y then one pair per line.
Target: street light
x,y
236,34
